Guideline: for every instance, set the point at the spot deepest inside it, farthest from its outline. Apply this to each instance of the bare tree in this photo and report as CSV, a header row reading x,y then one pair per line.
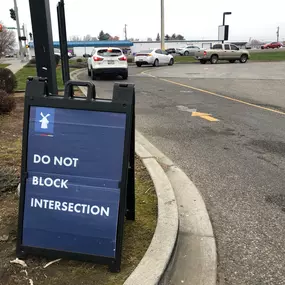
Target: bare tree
x,y
75,39
87,38
7,41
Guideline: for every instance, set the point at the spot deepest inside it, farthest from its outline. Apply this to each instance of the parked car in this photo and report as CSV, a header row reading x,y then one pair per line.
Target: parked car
x,y
188,50
272,45
107,61
154,57
171,51
227,51
57,53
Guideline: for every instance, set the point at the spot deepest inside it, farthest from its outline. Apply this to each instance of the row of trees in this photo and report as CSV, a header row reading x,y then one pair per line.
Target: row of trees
x,y
171,38
106,36
88,38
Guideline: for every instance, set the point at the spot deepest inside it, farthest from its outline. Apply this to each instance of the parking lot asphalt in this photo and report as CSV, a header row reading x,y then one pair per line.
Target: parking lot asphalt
x,y
236,161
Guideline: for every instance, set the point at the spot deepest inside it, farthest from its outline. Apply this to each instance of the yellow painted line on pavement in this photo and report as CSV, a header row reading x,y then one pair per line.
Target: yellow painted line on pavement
x,y
205,116
222,96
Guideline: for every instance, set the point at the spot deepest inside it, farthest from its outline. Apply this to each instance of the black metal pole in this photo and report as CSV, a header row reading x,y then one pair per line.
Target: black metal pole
x,y
43,42
224,18
63,41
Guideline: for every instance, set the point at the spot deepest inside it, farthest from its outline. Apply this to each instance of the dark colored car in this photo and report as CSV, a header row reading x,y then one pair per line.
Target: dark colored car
x,y
272,45
170,50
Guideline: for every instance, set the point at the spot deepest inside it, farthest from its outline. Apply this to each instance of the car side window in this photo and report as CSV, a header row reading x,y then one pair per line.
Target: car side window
x,y
217,47
227,47
158,51
233,47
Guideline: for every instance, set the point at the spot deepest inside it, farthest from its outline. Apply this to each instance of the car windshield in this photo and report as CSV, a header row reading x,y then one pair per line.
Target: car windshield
x,y
109,52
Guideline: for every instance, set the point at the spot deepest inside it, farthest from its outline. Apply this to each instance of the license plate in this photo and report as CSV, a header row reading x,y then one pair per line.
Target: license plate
x,y
141,59
111,62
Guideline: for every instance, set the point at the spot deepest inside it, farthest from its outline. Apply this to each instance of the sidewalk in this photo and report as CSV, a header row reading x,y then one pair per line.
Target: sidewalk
x,y
15,64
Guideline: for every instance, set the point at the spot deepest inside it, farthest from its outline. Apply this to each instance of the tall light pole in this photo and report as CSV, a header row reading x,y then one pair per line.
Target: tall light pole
x,y
224,18
162,25
18,29
277,33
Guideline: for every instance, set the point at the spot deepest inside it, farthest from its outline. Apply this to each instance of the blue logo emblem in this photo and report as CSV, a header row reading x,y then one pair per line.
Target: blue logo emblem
x,y
44,120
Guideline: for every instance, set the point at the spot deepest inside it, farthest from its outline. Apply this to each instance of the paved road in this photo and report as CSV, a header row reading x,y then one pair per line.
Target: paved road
x,y
237,163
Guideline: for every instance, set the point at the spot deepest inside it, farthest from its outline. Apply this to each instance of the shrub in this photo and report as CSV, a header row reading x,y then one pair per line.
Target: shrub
x,y
8,81
79,60
7,103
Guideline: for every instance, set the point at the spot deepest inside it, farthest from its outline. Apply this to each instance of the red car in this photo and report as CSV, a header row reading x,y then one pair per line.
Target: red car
x,y
272,45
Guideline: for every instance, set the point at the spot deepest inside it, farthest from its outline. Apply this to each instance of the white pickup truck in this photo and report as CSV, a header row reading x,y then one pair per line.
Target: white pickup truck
x,y
226,51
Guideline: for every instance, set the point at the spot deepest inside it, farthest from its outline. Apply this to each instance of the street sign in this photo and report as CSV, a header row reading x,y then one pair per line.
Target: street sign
x,y
74,180
223,33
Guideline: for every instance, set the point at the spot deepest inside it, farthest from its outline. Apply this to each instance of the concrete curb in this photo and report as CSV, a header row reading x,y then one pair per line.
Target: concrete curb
x,y
195,258
157,257
155,261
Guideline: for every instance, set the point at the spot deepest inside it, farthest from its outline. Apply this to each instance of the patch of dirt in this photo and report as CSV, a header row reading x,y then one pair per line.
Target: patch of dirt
x,y
137,235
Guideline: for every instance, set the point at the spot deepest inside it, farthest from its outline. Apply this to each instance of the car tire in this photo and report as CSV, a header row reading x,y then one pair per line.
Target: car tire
x,y
232,61
243,58
93,74
156,63
139,64
171,62
186,53
214,59
89,71
125,75
203,61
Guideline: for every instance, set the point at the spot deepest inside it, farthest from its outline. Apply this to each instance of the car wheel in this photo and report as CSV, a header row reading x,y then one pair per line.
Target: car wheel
x,y
171,62
232,61
156,63
186,53
93,74
214,59
125,75
139,64
89,71
203,61
243,58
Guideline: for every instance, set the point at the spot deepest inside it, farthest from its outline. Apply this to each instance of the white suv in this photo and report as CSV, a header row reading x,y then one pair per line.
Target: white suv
x,y
107,61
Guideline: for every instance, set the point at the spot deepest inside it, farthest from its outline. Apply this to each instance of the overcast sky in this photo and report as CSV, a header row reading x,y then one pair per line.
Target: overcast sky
x,y
193,19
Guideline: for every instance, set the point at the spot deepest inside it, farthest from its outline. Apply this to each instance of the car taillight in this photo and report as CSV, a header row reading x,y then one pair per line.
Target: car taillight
x,y
123,58
149,54
96,58
205,53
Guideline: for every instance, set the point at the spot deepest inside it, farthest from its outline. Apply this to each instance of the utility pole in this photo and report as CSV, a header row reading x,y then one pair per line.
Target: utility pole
x,y
18,29
278,29
125,31
162,26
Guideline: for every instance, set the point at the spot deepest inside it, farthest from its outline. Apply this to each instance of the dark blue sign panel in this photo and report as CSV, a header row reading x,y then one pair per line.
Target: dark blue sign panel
x,y
74,166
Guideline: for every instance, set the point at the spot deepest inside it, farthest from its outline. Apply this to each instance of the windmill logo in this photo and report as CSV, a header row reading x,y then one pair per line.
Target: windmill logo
x,y
44,120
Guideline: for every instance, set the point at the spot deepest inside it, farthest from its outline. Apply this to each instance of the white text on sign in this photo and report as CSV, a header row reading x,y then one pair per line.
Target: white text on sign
x,y
61,161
